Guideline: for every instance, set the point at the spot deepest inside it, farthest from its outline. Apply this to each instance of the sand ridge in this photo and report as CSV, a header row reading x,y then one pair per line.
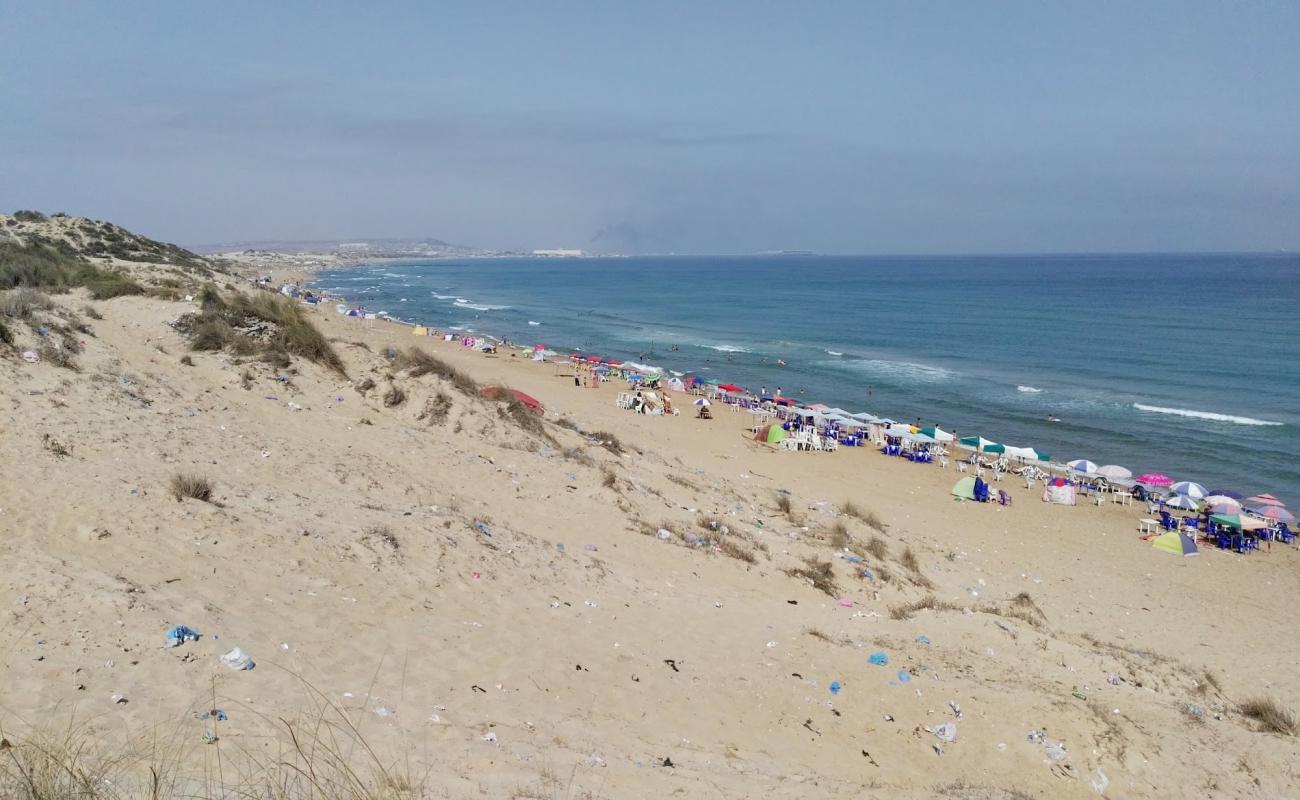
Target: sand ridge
x,y
559,647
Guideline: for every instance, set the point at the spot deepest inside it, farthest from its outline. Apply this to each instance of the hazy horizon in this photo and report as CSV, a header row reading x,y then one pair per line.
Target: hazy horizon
x,y
842,128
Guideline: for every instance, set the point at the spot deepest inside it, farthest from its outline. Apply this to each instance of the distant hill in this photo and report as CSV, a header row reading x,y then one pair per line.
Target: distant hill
x,y
358,248
79,237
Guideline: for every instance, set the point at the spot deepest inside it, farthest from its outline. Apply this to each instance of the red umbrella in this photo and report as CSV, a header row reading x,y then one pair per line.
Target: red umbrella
x,y
613,363
731,387
495,393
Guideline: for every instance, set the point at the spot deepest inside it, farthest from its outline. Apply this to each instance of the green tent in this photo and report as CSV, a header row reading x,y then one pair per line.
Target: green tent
x,y
964,489
772,434
936,433
1239,521
1175,542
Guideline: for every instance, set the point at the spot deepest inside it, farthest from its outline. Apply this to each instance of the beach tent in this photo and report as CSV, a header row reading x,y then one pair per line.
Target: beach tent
x,y
964,489
1240,522
938,434
677,385
1059,491
771,434
1175,542
529,402
980,444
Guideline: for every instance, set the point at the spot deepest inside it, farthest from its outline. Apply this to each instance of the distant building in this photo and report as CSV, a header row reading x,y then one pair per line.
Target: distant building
x,y
559,253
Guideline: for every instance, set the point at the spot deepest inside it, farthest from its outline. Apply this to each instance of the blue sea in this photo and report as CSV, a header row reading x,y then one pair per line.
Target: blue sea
x,y
1183,364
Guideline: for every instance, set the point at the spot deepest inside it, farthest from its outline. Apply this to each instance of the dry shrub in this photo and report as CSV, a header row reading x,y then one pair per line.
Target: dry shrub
x,y
850,509
608,441
838,536
579,455
1025,602
929,602
683,482
384,534
877,548
512,409
908,560
56,447
23,303
394,397
821,574
364,386
6,335
709,523
418,363
734,549
784,505
568,424
54,354
1271,715
608,479
818,633
436,408
187,361
197,487
246,380
91,312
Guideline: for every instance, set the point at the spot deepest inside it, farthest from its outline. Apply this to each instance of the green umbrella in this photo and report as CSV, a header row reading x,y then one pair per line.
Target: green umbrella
x,y
938,434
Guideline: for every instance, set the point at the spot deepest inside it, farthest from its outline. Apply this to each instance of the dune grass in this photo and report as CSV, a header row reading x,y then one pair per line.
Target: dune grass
x,y
734,549
418,363
262,324
1271,715
395,396
838,535
196,487
820,574
850,509
878,548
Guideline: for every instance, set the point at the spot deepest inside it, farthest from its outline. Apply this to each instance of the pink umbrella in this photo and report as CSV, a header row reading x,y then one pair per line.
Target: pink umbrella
x,y
1276,513
1264,500
1155,479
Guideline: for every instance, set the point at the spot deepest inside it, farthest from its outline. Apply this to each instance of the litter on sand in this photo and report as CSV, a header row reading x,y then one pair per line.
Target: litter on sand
x,y
238,660
878,658
180,634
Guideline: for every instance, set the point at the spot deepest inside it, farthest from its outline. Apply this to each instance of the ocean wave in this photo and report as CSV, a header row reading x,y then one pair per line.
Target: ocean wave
x,y
833,353
444,296
533,323
1210,415
463,303
905,370
1028,389
726,348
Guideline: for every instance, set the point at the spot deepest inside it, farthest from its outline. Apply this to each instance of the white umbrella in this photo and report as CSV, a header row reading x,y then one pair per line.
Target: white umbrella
x,y
1114,472
1182,501
864,417
899,430
1190,489
1083,465
702,401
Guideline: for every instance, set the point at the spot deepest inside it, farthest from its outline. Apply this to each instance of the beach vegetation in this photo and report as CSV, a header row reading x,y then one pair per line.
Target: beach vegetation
x,y
436,408
878,548
23,303
364,385
196,487
608,441
55,354
246,380
419,363
54,446
27,215
6,335
908,560
1271,715
784,505
91,312
838,536
187,360
734,549
820,574
578,455
264,323
851,509
608,479
927,603
395,396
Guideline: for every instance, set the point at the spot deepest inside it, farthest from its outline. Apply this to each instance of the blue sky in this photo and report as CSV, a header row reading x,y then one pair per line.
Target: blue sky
x,y
652,127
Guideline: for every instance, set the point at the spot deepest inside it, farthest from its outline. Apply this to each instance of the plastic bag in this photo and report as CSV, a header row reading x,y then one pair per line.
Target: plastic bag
x,y
238,660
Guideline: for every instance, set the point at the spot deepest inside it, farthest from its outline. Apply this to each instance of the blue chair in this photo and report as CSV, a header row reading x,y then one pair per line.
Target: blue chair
x,y
1167,521
1284,533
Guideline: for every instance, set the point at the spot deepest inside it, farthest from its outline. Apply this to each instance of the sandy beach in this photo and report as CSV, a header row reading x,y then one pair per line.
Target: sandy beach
x,y
604,604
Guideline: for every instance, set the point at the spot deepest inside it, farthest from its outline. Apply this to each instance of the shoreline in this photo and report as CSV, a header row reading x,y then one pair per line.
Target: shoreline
x,y
719,372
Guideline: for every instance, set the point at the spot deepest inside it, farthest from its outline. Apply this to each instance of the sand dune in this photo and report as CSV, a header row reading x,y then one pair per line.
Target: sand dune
x,y
498,617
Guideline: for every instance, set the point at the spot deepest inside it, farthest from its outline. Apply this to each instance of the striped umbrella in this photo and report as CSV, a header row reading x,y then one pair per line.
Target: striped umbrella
x,y
1275,513
1083,465
1155,479
1222,504
1227,493
980,444
1264,500
1114,472
1191,489
1184,502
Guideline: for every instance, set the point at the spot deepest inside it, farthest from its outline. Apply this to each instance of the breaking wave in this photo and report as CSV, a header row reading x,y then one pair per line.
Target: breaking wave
x,y
1210,415
1028,389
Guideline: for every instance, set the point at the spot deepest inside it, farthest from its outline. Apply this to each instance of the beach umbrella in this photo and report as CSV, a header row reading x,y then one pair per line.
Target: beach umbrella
x,y
1264,500
1083,465
938,434
1227,493
1275,513
771,434
898,429
964,488
865,417
730,387
703,402
1175,542
1221,504
1114,472
818,407
1184,502
1191,489
1155,479
1239,521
